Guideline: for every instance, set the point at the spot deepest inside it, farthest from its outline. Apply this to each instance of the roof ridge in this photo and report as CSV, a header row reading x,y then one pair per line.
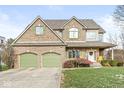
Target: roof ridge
x,y
66,19
55,19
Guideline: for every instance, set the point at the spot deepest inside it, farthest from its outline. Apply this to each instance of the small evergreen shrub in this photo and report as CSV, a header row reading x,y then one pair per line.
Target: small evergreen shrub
x,y
105,63
109,63
113,63
120,64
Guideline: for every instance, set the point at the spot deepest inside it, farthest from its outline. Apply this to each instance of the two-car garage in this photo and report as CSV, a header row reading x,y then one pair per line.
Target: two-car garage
x,y
31,60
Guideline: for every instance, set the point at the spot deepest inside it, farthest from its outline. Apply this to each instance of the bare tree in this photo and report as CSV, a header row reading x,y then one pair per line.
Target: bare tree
x,y
122,39
113,39
118,16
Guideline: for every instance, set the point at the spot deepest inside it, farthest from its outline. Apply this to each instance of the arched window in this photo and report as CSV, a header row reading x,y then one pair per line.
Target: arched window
x,y
73,33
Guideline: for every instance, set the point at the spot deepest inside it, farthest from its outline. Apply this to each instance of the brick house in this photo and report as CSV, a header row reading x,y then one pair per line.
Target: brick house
x,y
48,43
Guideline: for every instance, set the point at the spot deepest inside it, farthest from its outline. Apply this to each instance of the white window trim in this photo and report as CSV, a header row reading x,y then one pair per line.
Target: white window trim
x,y
91,38
72,33
39,33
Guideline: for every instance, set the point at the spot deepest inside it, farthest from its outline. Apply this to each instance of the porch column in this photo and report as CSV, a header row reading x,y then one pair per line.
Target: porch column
x,y
112,54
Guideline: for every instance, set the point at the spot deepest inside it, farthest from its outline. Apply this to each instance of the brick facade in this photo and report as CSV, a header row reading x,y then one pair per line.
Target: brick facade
x,y
75,24
39,50
30,34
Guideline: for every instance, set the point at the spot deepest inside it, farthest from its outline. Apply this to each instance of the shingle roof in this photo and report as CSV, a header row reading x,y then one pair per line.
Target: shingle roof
x,y
57,24
88,44
93,44
40,43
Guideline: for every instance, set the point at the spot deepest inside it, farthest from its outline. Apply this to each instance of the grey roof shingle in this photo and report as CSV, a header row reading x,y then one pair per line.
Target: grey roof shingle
x,y
89,23
88,44
55,24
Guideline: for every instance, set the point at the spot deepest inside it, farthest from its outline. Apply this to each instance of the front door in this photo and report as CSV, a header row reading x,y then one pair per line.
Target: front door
x,y
91,56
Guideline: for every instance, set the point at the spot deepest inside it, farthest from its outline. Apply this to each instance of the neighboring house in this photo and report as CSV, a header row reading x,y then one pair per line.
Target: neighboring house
x,y
48,43
2,41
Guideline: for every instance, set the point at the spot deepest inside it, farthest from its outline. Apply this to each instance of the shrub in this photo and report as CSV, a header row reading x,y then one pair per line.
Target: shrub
x,y
113,62
109,63
77,62
105,63
84,61
4,67
120,64
69,64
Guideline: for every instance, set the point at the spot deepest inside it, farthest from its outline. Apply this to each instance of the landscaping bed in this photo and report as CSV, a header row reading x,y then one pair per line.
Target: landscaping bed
x,y
106,77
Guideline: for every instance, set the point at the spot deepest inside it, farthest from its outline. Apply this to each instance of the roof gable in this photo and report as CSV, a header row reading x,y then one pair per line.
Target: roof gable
x,y
26,29
73,18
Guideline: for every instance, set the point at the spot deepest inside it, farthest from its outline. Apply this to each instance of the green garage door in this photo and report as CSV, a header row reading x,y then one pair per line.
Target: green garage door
x,y
51,60
28,60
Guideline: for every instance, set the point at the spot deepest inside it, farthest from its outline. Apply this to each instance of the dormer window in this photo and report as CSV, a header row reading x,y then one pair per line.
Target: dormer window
x,y
39,30
73,33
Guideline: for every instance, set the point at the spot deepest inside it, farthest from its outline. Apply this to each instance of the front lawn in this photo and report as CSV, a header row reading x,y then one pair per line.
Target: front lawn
x,y
111,77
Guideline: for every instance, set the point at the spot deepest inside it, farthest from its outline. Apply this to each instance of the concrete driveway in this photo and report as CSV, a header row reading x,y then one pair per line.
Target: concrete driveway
x,y
30,78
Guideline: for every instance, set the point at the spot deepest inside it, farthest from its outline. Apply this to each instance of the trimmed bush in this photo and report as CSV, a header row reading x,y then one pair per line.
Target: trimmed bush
x,y
109,63
83,61
68,64
105,63
113,63
120,64
77,62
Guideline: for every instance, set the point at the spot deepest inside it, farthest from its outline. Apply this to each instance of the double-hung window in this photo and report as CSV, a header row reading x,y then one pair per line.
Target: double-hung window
x,y
73,33
91,36
74,53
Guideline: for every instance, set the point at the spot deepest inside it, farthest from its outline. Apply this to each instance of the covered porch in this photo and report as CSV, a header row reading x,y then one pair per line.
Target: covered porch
x,y
88,50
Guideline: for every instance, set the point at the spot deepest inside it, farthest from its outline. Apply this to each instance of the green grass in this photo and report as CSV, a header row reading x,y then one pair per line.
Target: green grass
x,y
112,77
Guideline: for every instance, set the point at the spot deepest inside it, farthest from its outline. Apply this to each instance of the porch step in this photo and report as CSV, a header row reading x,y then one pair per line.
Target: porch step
x,y
96,64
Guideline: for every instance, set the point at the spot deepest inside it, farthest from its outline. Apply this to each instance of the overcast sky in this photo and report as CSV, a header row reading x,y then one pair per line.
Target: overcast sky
x,y
14,19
